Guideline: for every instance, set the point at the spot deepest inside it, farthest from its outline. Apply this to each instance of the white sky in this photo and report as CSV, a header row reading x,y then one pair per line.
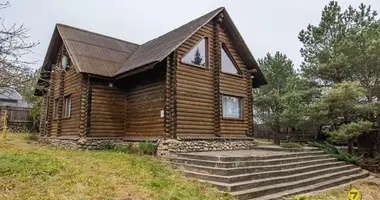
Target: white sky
x,y
266,25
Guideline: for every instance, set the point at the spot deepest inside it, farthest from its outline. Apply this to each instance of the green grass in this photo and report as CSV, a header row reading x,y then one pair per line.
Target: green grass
x,y
32,171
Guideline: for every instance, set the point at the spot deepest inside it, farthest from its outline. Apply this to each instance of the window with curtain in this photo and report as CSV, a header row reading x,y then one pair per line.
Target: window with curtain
x,y
232,107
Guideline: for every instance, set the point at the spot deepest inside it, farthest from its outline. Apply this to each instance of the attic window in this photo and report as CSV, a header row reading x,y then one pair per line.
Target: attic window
x,y
228,65
197,55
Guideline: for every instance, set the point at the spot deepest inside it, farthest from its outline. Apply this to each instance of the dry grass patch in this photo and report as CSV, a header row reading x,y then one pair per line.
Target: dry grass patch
x,y
369,190
31,171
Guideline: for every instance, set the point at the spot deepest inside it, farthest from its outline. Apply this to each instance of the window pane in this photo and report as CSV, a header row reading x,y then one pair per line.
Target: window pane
x,y
232,107
227,64
197,55
67,106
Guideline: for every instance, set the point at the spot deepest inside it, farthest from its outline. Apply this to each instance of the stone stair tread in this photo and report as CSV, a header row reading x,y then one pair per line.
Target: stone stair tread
x,y
331,160
255,161
267,157
314,187
279,177
257,189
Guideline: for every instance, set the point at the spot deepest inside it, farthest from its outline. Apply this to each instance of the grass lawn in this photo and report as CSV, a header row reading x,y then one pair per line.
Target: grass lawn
x,y
369,190
32,171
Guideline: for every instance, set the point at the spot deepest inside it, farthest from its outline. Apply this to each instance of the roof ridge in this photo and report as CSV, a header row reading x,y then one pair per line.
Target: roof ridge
x,y
99,34
215,11
220,8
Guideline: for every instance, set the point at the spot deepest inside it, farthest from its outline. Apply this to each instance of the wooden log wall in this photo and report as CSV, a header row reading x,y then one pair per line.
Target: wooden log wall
x,y
72,87
195,90
44,114
146,94
108,109
235,85
84,105
199,89
64,83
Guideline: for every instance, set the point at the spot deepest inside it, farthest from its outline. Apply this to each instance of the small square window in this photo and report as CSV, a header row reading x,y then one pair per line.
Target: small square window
x,y
232,107
67,106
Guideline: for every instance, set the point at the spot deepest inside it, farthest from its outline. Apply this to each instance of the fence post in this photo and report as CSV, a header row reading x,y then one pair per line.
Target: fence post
x,y
5,124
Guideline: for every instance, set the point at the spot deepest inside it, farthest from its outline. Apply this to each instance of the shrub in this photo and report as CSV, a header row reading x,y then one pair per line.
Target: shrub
x,y
291,145
340,154
146,148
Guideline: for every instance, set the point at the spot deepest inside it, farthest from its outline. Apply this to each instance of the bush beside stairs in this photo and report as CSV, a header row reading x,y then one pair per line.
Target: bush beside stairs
x,y
270,176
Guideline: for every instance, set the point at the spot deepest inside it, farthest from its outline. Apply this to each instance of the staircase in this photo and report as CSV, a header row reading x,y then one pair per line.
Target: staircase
x,y
266,173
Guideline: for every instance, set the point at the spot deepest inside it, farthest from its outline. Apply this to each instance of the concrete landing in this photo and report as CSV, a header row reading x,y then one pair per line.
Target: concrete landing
x,y
267,172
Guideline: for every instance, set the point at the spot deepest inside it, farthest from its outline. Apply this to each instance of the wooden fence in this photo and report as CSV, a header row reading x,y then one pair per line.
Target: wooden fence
x,y
18,119
264,132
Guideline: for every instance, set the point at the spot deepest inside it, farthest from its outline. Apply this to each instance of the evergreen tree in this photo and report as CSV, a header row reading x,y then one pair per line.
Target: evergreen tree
x,y
197,57
269,100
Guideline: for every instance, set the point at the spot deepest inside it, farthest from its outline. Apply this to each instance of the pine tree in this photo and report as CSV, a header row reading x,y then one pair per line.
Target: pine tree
x,y
197,57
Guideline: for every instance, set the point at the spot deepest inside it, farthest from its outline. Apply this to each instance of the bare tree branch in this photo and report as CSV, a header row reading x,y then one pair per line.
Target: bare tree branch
x,y
14,44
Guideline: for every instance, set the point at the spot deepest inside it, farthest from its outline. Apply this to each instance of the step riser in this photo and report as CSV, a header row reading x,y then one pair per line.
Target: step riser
x,y
250,158
248,177
285,149
334,184
246,163
231,172
283,180
297,185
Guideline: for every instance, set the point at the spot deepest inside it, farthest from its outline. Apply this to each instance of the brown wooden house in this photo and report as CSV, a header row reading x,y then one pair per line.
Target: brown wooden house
x,y
193,82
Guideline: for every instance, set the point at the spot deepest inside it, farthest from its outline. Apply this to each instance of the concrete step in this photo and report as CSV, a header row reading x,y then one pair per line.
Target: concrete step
x,y
233,187
315,187
328,180
263,171
259,175
278,148
249,158
220,164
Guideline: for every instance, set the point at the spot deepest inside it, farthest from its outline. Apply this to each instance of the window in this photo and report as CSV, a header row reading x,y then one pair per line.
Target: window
x,y
227,64
232,107
197,55
67,106
55,109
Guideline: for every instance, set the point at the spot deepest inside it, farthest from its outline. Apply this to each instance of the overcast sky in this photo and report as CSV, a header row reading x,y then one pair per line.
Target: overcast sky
x,y
266,25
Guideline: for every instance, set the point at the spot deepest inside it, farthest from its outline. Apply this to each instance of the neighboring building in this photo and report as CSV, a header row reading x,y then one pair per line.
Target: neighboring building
x,y
193,82
11,98
18,110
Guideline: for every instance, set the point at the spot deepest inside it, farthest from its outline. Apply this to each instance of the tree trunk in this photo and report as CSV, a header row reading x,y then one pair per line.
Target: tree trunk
x,y
276,140
350,146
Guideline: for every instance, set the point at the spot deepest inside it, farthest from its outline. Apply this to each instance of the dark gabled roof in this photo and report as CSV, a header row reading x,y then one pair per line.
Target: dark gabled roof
x,y
92,52
159,48
110,57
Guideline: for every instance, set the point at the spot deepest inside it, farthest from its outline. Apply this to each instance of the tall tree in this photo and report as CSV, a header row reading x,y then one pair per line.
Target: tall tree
x,y
269,99
338,107
345,46
335,49
14,44
197,57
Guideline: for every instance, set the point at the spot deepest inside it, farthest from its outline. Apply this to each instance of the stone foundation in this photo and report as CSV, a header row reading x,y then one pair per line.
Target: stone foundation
x,y
85,143
170,146
164,147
